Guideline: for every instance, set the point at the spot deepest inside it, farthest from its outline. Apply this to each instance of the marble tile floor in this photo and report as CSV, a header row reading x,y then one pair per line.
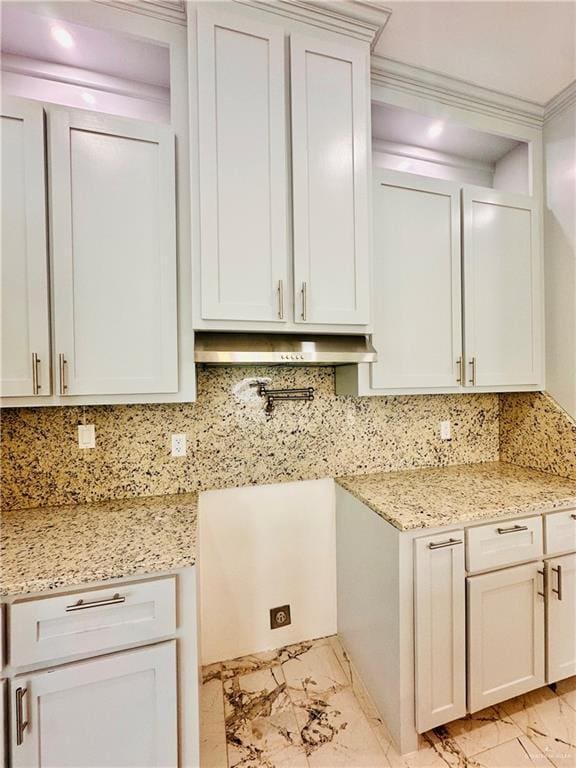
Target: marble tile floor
x,y
304,706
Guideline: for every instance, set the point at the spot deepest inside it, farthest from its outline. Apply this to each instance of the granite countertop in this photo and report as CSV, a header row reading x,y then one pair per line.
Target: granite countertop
x,y
426,498
51,547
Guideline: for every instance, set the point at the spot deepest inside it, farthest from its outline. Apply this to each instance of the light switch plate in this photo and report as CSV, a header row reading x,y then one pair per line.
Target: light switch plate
x,y
86,436
445,430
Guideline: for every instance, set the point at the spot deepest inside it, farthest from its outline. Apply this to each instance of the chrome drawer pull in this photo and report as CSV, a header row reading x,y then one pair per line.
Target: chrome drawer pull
x,y
514,529
81,604
558,591
440,544
21,724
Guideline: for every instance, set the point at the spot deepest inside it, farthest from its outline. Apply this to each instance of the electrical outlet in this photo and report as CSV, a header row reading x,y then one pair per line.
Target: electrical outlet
x,y
86,436
445,430
280,617
178,445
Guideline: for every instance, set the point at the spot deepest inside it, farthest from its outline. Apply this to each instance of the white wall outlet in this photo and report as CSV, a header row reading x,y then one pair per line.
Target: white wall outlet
x,y
445,430
178,445
86,436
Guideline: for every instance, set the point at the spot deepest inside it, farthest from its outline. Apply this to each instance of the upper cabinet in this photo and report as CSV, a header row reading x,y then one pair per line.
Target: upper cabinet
x,y
111,207
114,254
457,289
254,272
243,168
330,181
502,289
24,321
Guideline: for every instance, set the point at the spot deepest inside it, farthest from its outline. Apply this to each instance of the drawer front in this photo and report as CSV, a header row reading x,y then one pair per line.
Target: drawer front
x,y
88,622
500,544
560,532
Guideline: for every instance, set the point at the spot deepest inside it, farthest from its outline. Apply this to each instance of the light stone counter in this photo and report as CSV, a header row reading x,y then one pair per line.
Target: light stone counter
x,y
427,498
50,547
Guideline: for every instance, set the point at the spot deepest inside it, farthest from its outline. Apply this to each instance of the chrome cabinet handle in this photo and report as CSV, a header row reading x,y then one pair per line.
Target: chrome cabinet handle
x,y
441,544
514,529
558,591
280,291
21,724
62,363
82,604
303,292
472,363
36,387
543,574
460,378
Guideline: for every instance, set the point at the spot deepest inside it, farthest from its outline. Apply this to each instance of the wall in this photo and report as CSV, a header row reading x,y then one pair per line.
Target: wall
x,y
536,432
232,442
261,548
560,257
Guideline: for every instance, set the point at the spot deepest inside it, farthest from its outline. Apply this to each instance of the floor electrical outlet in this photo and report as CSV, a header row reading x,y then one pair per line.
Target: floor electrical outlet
x,y
178,445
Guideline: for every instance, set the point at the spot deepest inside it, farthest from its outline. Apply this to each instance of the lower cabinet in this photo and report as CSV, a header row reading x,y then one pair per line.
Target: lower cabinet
x,y
505,634
440,629
118,711
561,634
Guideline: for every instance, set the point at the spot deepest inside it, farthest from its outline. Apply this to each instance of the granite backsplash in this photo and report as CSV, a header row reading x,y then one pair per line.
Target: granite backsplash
x,y
232,442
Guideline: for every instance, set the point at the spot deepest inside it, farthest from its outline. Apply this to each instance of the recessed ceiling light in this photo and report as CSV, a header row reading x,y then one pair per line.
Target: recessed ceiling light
x,y
62,36
435,129
88,98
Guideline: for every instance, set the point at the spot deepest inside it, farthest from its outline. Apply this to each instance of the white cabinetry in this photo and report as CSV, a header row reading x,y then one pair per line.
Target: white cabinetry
x,y
243,167
253,274
115,712
330,181
25,322
440,629
502,288
561,618
417,284
114,254
505,634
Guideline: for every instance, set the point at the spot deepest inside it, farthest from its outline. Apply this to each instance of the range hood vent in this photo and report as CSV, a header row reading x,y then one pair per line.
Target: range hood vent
x,y
215,348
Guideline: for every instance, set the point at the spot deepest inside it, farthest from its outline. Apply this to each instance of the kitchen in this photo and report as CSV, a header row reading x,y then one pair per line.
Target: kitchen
x,y
288,384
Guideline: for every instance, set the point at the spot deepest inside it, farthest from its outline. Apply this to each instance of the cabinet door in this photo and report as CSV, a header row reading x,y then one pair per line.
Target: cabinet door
x,y
24,293
330,156
502,288
243,167
417,293
114,254
440,629
505,634
561,629
112,712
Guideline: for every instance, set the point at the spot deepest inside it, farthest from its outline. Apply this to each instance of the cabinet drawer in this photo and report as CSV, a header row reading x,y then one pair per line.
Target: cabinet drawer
x,y
560,532
501,544
87,622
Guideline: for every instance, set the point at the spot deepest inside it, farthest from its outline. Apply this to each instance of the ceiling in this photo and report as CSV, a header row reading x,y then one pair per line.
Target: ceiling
x,y
518,47
30,34
402,126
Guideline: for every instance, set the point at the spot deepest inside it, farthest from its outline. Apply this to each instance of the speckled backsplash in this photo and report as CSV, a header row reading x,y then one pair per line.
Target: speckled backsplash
x,y
536,432
231,442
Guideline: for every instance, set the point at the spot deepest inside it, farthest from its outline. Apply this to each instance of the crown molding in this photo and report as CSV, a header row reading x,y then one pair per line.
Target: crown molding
x,y
84,78
173,11
454,91
361,19
564,99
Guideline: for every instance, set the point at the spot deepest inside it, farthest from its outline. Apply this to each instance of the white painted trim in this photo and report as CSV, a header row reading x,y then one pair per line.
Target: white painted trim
x,y
86,78
428,155
361,19
453,91
563,100
173,11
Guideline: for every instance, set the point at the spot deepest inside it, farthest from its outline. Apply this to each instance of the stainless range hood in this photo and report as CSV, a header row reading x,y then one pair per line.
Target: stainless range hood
x,y
216,348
